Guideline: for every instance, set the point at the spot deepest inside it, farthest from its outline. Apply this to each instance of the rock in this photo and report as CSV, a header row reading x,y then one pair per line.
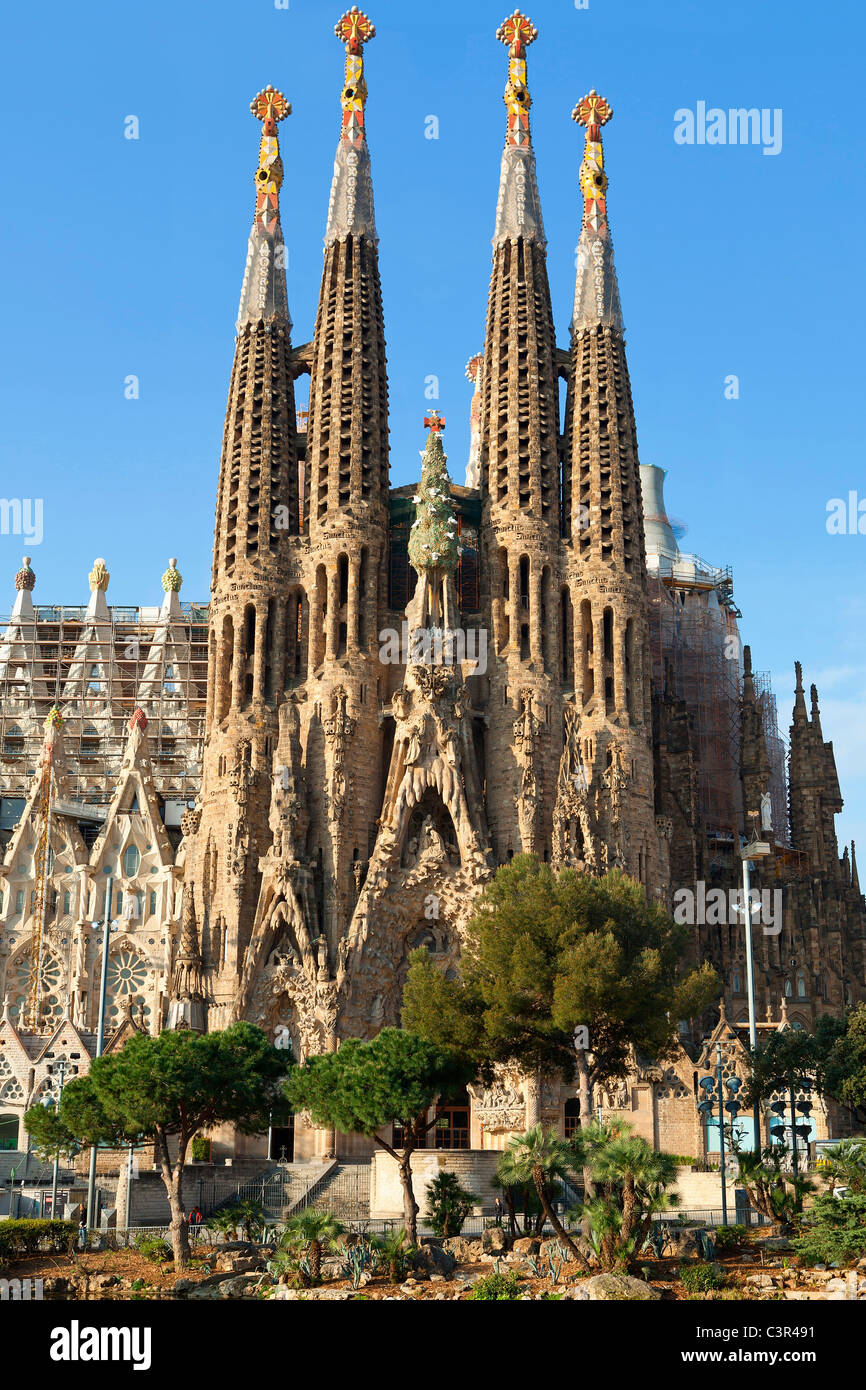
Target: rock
x,y
437,1258
527,1246
183,1285
494,1239
606,1288
103,1281
461,1250
775,1243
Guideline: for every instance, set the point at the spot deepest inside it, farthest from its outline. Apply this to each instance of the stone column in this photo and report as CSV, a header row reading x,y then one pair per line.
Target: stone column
x,y
352,608
314,628
514,603
238,664
535,647
620,696
333,610
260,653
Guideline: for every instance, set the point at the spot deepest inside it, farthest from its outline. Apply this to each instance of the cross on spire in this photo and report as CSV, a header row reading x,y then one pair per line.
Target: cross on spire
x,y
355,29
434,421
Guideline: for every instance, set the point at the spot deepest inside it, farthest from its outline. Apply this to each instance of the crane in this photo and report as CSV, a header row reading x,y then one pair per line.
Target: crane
x,y
53,725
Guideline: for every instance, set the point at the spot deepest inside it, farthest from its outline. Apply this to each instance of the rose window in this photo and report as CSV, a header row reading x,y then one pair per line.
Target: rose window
x,y
128,979
51,1001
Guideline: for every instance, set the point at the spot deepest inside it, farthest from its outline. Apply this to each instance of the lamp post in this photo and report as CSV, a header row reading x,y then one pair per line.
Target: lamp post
x,y
755,849
57,1069
100,1041
792,1084
714,1095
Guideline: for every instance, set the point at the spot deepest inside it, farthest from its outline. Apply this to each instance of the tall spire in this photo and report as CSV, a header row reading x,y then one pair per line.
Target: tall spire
x,y
800,715
596,293
263,294
518,212
350,212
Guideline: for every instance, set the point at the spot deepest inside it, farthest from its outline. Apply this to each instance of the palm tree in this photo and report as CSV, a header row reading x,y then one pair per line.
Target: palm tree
x,y
630,1181
846,1165
318,1230
541,1157
393,1250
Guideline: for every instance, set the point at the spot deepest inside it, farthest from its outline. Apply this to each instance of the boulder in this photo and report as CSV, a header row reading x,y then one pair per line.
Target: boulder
x,y
610,1288
438,1259
494,1240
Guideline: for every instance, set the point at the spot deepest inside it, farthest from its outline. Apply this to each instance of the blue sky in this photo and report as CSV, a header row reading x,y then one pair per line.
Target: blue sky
x,y
125,257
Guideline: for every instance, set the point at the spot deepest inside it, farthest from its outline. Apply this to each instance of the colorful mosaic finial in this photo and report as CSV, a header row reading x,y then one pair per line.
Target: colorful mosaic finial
x,y
54,720
596,299
269,106
433,544
355,30
350,212
518,33
518,211
98,577
25,578
263,294
592,112
172,579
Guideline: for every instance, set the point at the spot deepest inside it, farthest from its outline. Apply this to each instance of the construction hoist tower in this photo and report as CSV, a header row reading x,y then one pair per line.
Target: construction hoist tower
x,y
53,726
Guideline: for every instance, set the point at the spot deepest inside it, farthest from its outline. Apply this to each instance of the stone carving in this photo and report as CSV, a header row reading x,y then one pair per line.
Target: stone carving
x,y
502,1105
527,730
575,833
338,733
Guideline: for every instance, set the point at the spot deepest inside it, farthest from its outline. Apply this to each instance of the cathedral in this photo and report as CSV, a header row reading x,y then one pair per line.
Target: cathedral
x,y
277,796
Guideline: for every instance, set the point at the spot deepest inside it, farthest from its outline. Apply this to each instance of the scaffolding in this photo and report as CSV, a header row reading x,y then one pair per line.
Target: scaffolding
x,y
40,654
695,647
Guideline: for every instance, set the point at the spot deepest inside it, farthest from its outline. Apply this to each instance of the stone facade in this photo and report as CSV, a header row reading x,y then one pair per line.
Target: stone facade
x,y
405,689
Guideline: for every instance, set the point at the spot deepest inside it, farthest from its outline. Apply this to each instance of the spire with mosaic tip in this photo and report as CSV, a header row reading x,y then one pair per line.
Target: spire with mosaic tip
x,y
596,294
518,210
351,212
433,544
263,294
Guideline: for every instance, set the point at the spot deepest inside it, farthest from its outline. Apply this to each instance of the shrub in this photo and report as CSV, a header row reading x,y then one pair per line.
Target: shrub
x,y
699,1278
834,1231
153,1248
496,1288
24,1237
200,1149
448,1204
729,1237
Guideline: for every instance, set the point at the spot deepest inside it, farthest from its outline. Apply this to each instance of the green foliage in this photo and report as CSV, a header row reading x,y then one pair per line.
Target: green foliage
x,y
177,1083
153,1248
843,1075
730,1237
395,1252
833,1231
316,1231
448,1204
546,951
50,1137
496,1288
25,1236
200,1149
364,1086
770,1186
846,1165
631,1182
700,1278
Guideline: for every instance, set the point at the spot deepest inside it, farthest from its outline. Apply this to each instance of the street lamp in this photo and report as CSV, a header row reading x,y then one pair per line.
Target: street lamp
x,y
792,1084
755,849
107,928
57,1069
713,1088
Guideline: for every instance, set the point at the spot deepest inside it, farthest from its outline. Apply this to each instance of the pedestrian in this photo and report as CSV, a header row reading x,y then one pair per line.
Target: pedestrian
x,y
82,1234
497,1210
